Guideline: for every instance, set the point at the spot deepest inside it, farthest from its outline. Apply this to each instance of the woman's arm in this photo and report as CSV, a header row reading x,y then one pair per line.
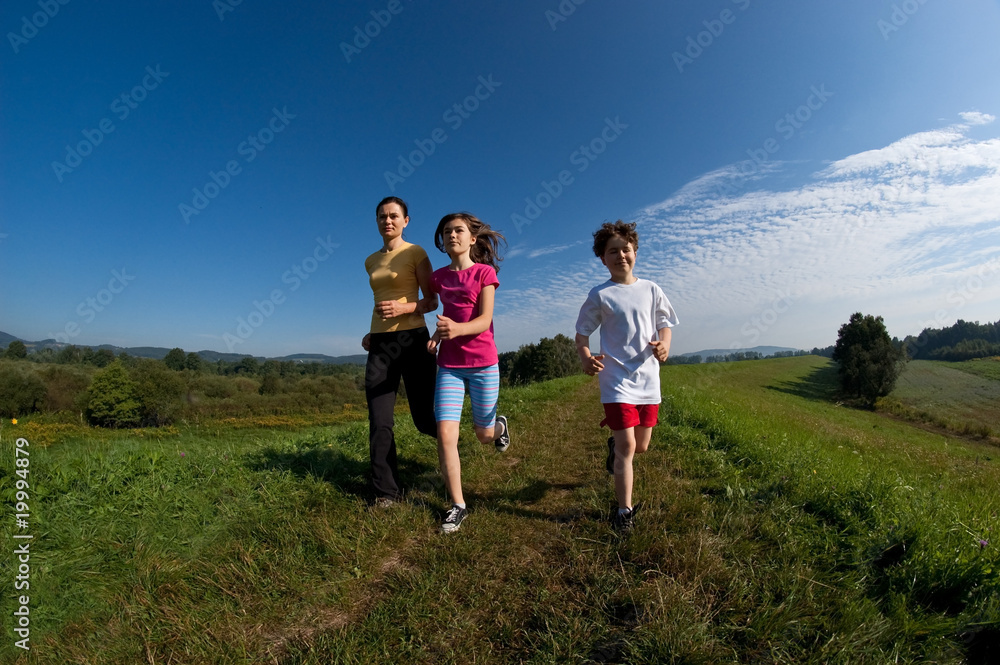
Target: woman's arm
x,y
429,302
448,329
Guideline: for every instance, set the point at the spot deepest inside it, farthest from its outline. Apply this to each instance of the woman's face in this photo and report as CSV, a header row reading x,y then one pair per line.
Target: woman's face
x,y
391,221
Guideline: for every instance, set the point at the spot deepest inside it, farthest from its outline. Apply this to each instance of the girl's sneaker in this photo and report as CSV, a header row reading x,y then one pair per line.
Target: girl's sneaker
x,y
503,442
623,522
453,519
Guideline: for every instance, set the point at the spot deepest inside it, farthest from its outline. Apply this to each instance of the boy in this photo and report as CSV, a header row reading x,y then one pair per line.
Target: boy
x,y
635,319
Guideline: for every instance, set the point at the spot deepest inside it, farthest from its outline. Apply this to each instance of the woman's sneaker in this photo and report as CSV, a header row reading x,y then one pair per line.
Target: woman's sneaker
x,y
503,441
453,519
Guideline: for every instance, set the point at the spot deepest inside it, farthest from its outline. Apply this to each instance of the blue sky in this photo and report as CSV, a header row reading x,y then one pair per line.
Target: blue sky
x,y
204,174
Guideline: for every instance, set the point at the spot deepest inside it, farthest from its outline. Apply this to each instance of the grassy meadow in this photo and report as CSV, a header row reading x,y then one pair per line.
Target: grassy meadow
x,y
777,527
963,397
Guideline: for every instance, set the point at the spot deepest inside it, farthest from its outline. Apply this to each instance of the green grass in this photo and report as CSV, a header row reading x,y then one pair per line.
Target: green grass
x,y
962,397
776,527
986,367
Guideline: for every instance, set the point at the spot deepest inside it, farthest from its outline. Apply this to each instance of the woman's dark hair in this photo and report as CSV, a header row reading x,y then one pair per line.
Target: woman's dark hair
x,y
487,247
608,230
392,199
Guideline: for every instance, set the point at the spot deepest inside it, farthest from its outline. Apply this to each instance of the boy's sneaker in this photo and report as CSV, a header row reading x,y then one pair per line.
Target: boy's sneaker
x,y
503,442
453,519
611,456
623,522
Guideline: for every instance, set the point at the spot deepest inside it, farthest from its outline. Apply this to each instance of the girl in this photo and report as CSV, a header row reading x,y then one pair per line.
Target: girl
x,y
467,354
396,344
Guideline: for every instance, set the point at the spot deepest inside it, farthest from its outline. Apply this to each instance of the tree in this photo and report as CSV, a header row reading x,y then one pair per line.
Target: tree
x,y
192,361
113,401
175,359
869,362
549,359
16,350
248,366
69,355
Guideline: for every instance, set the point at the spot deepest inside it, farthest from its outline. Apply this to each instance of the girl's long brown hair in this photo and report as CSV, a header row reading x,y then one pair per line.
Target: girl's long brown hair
x,y
487,247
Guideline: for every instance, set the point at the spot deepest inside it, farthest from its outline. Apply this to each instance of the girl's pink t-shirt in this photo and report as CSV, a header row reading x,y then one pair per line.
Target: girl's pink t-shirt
x,y
459,292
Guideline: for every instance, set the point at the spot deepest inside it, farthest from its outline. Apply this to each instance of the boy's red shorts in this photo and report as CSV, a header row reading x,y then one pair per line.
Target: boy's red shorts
x,y
619,416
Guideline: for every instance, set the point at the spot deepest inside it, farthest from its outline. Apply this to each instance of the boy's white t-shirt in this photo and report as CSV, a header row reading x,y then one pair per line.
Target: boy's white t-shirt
x,y
629,316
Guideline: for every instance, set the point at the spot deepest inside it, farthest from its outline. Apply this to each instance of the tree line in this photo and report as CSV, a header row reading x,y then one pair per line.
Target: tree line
x,y
961,341
127,391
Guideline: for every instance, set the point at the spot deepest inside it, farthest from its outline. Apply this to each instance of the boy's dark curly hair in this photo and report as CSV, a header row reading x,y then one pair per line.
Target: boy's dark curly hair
x,y
608,230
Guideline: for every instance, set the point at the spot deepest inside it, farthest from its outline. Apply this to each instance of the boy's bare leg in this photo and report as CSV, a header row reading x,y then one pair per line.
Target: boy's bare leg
x,y
642,438
625,445
451,465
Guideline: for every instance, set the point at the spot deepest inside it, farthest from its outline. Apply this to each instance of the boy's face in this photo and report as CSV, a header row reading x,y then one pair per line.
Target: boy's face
x,y
619,257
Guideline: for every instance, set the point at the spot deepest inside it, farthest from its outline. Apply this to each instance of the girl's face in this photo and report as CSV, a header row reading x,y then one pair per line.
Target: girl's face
x,y
391,221
457,238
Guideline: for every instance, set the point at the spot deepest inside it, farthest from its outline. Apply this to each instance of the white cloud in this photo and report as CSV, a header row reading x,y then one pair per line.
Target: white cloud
x,y
977,118
891,231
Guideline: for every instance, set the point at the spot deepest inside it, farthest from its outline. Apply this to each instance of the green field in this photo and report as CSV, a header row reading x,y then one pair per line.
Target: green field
x,y
962,395
777,527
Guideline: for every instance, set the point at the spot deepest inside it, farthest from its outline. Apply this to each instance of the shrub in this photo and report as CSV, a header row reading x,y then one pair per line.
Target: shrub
x,y
213,387
159,391
66,388
113,401
21,391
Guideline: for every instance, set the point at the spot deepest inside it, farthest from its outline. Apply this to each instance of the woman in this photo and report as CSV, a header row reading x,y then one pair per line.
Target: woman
x,y
397,344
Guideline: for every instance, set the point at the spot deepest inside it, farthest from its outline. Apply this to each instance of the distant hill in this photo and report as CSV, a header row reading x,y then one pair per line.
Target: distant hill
x,y
159,353
763,350
6,339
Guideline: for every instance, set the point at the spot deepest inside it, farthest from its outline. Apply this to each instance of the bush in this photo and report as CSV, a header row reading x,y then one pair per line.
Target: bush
x,y
21,391
113,401
213,386
66,388
159,390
